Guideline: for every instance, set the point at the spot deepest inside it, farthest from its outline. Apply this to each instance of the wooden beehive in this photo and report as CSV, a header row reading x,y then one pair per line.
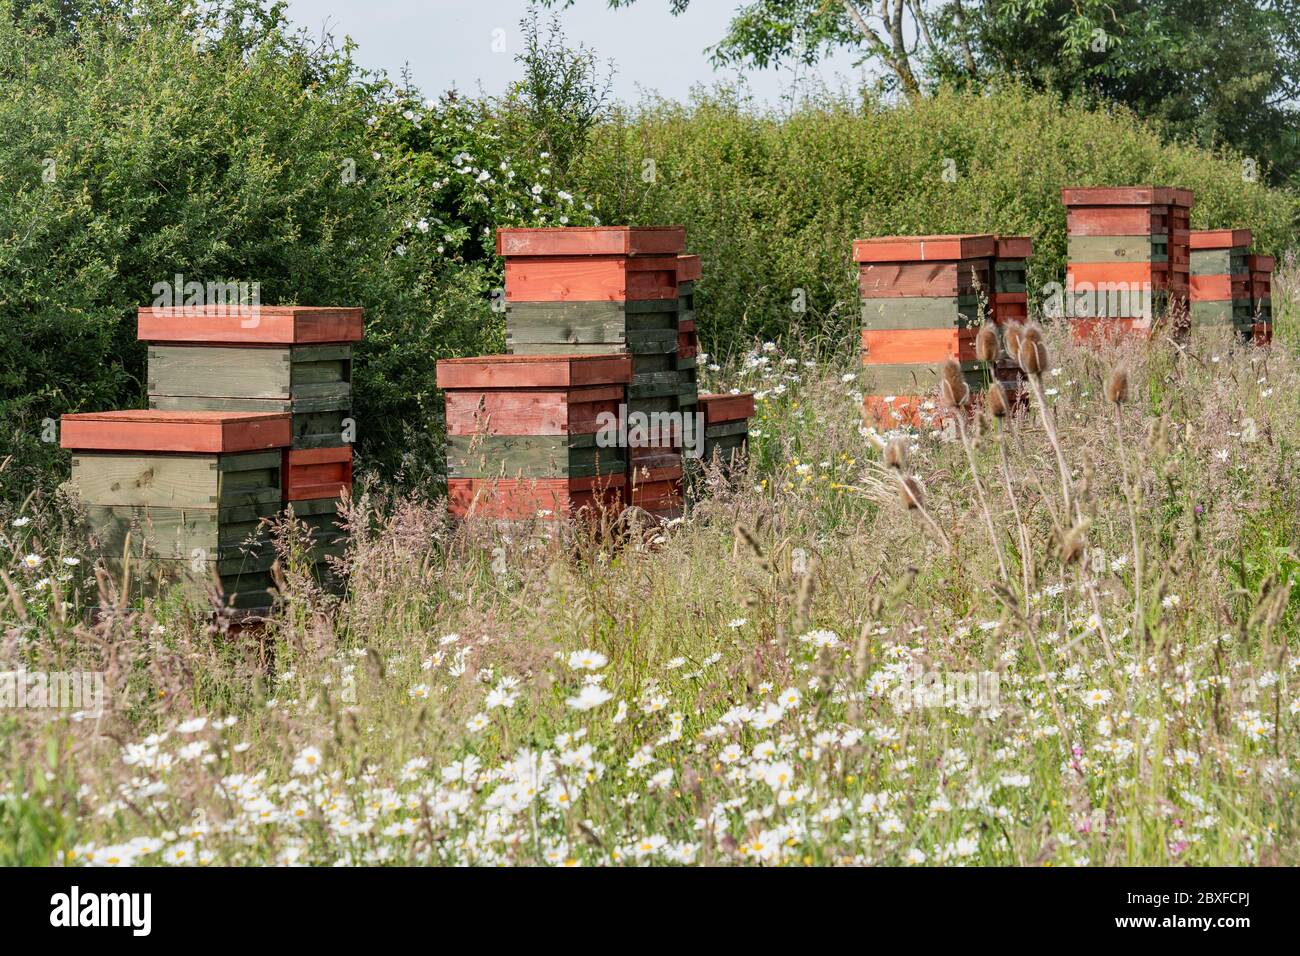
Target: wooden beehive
x,y
1129,257
605,290
181,497
1261,292
726,428
1009,303
687,360
923,301
1220,279
285,359
524,433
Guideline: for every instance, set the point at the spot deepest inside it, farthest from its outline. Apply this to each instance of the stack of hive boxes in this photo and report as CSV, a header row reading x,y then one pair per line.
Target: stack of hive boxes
x,y
921,305
293,360
608,290
523,434
1129,257
1009,301
726,428
1261,298
1220,281
181,497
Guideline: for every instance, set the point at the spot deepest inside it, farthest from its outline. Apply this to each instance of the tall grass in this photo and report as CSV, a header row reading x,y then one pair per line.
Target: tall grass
x,y
748,670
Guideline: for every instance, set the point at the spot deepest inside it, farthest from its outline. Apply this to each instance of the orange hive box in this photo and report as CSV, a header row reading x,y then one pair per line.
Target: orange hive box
x,y
923,248
311,473
533,411
251,325
1117,220
727,408
591,241
1126,196
937,279
904,346
180,432
591,278
523,498
534,371
1219,238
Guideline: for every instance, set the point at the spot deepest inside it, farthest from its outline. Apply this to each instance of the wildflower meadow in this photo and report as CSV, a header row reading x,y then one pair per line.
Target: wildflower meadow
x,y
1061,637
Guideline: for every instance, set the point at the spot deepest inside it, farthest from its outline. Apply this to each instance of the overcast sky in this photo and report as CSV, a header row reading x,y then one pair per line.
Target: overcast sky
x,y
448,43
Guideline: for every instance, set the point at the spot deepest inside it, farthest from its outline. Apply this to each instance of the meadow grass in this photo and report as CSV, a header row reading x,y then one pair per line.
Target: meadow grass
x,y
806,670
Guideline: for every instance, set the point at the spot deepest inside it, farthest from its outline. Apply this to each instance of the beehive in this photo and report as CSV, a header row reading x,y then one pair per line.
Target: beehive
x,y
1129,257
293,359
1220,279
923,300
181,497
525,433
1009,302
607,290
688,349
1261,297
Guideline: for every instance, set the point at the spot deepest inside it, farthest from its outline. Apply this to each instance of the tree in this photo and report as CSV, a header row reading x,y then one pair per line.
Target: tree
x,y
1212,71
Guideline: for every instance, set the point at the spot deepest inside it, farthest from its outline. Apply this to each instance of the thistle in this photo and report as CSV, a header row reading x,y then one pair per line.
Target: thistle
x,y
1012,337
911,492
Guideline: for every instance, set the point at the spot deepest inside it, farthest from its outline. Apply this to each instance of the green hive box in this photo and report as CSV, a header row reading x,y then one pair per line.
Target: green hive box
x,y
311,382
645,328
531,456
728,442
193,520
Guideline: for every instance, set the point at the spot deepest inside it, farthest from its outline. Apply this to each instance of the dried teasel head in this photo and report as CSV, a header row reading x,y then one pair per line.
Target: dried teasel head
x,y
986,343
996,401
896,454
911,492
1075,540
953,390
1011,338
1117,386
1032,354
